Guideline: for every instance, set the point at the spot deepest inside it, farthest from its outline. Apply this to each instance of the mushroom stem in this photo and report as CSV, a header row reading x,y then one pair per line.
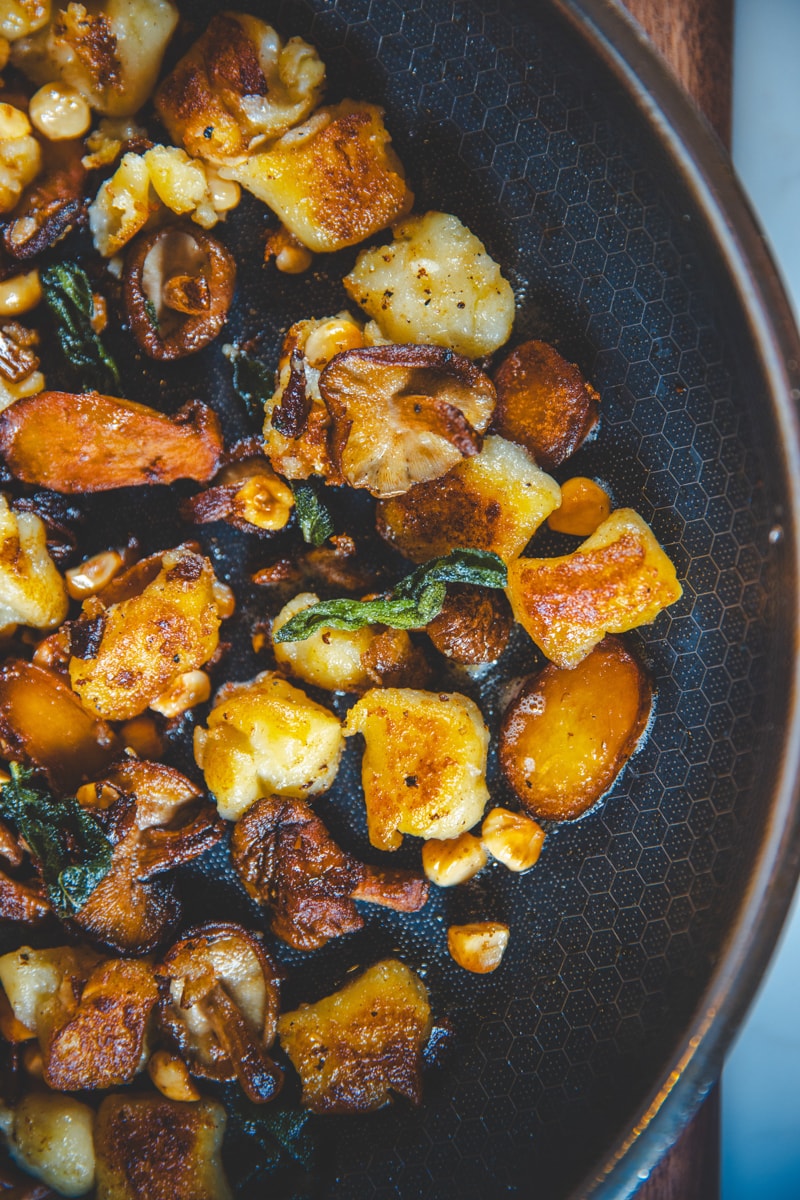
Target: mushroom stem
x,y
259,1076
187,294
393,888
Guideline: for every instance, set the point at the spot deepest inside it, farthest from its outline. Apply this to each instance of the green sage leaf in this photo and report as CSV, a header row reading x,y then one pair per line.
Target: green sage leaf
x,y
411,604
252,382
316,523
74,853
68,294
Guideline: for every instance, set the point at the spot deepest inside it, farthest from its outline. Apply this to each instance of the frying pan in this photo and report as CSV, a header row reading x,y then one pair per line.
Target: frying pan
x,y
637,942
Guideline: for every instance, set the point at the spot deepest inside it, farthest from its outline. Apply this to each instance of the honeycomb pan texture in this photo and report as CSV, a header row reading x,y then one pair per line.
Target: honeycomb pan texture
x,y
503,119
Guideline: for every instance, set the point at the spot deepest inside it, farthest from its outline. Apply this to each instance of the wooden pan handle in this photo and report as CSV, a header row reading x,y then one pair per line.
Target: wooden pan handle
x,y
696,39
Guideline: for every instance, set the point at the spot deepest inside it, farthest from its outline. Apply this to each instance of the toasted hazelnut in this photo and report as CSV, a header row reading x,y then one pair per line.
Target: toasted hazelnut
x,y
91,576
447,863
32,1060
20,294
512,838
584,506
59,112
171,1076
290,256
478,947
224,599
185,691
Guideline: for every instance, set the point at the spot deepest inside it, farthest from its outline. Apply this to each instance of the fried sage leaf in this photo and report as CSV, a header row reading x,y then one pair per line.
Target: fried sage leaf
x,y
252,382
411,604
316,523
73,852
68,294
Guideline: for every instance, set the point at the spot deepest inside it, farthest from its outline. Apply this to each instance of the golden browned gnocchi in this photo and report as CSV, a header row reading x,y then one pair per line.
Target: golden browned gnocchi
x,y
109,51
495,500
32,591
239,86
435,283
334,180
266,737
20,156
52,1137
126,655
424,765
617,579
356,1047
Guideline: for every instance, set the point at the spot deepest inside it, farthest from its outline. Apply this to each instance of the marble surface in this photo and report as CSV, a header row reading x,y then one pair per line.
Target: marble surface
x,y
761,1083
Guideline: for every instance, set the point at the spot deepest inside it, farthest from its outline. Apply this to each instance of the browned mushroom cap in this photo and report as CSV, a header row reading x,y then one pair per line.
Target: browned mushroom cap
x,y
178,287
247,495
22,897
339,567
158,821
53,205
474,625
95,1040
544,403
403,414
92,443
43,724
288,861
219,1004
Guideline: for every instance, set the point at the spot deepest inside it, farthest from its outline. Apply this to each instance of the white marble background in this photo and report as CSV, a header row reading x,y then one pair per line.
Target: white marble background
x,y
761,1083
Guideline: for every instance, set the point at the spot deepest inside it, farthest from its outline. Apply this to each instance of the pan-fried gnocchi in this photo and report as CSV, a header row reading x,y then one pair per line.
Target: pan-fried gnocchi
x,y
266,737
109,51
435,283
369,531
333,181
32,591
424,765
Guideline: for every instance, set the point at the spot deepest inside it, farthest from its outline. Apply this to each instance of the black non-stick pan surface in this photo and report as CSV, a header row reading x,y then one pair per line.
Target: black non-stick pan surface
x,y
639,937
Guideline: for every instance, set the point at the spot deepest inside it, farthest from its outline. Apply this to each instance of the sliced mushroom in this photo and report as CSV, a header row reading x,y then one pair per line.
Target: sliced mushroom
x,y
289,862
166,823
152,623
544,403
152,1148
568,734
95,1039
17,358
340,567
178,288
474,625
44,724
59,516
53,205
403,414
296,421
356,1047
92,443
219,1004
247,495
